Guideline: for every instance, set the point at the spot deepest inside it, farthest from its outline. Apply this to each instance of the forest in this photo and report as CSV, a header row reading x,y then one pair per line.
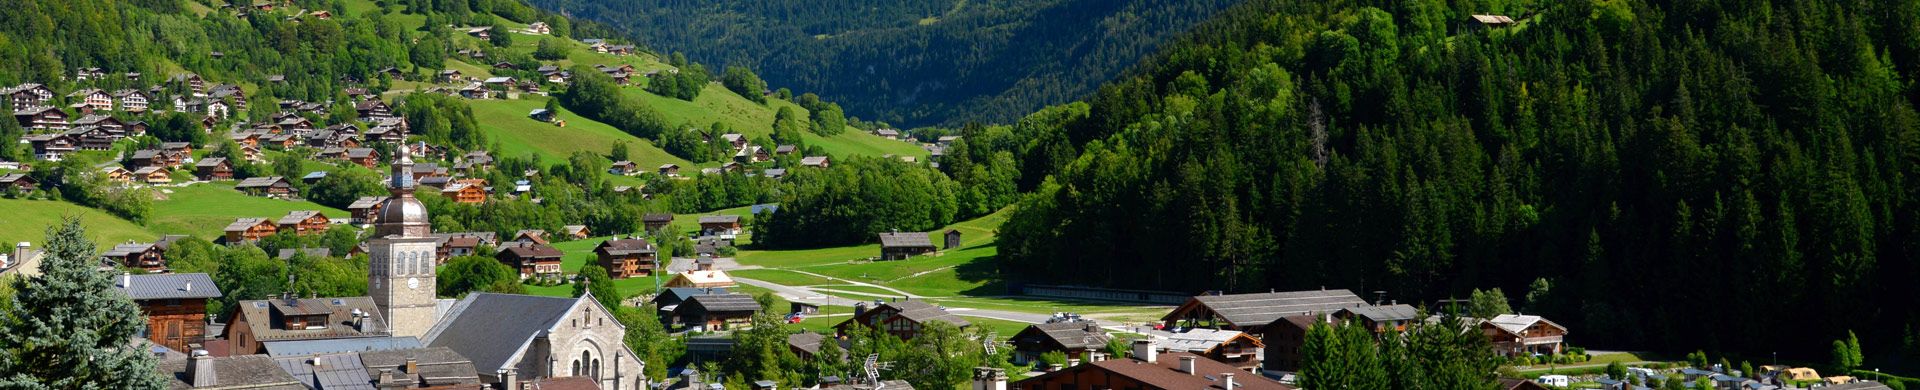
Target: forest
x,y
1661,175
912,63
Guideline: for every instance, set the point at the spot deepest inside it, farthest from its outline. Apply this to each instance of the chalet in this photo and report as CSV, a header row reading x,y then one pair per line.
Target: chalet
x,y
304,222
17,182
175,306
952,238
365,157
722,225
701,279
117,174
732,167
153,175
373,108
624,168
462,192
229,93
41,118
900,246
946,140
91,100
815,161
313,177
482,32
252,324
887,133
783,150
1232,347
1077,339
449,75
386,134
655,222
51,147
92,137
137,255
132,100
364,209
670,170
111,124
427,170
903,319
576,232
671,297
1147,369
29,95
533,261
529,236
476,91
738,141
1251,313
1492,21
622,49
250,229
1523,335
755,154
626,258
774,173
213,168
539,28
716,312
597,45
806,344
296,125
1380,319
155,158
458,245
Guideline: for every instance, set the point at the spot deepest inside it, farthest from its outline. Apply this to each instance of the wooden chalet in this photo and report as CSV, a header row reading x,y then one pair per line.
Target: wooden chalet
x,y
29,95
626,258
465,192
1252,313
623,168
175,306
250,229
1380,319
900,246
91,100
145,256
655,222
816,161
701,279
1231,347
576,232
365,208
18,182
365,157
132,100
903,319
51,147
533,261
117,174
213,168
153,175
304,222
265,186
41,118
670,170
720,224
716,312
1523,335
253,324
1076,339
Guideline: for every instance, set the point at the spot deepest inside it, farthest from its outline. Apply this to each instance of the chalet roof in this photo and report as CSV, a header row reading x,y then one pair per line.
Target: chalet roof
x,y
813,160
13,177
535,251
720,303
705,277
923,312
493,329
210,162
806,341
23,87
1072,335
657,217
1399,312
1200,340
1493,19
626,247
1263,308
438,366
366,202
287,253
1165,373
783,149
485,237
147,170
339,312
905,240
298,216
124,250
706,219
260,181
1516,324
257,372
241,225
145,154
167,286
360,153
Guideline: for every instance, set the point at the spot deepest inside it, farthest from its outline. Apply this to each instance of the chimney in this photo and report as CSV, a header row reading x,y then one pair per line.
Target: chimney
x,y
126,279
859,308
189,286
413,366
1186,365
988,378
20,251
1143,351
200,369
1228,379
507,380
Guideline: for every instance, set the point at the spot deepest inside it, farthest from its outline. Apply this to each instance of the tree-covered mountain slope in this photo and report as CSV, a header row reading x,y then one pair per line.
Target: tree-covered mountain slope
x,y
913,63
1657,174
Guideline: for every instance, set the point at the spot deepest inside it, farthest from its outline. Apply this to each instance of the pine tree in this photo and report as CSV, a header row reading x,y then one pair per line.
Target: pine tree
x,y
67,329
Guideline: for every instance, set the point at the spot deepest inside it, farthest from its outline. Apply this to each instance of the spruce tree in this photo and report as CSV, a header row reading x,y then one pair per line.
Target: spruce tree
x,y
68,329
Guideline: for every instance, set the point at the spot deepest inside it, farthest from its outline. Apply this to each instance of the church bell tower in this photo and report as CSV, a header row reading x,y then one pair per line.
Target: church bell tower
x,y
401,257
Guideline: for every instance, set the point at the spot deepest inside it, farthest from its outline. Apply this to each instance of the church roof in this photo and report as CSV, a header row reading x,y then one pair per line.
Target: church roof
x,y
495,329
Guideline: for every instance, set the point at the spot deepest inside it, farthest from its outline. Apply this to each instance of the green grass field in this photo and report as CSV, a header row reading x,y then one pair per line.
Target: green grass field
x,y
27,221
506,122
202,210
781,277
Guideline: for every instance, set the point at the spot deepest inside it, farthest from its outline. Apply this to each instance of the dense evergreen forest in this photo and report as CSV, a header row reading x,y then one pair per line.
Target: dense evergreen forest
x,y
913,63
1732,175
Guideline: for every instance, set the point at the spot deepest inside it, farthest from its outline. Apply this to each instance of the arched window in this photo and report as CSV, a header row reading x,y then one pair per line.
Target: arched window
x,y
576,368
586,363
596,369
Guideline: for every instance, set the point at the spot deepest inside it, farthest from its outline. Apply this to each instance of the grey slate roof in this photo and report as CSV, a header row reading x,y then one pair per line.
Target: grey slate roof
x,y
1400,312
438,366
492,328
922,312
329,371
366,202
339,313
1073,335
719,219
297,216
168,286
316,347
722,302
626,247
806,341
1263,308
242,224
905,240
257,372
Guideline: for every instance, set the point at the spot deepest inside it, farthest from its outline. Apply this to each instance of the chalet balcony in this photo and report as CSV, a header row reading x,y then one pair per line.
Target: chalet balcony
x,y
1543,340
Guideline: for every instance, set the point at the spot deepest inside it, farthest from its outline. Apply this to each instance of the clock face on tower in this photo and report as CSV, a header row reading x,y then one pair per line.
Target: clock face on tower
x,y
413,283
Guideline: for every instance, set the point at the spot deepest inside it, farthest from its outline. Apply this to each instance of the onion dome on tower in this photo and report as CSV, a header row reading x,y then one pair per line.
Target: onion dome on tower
x,y
403,215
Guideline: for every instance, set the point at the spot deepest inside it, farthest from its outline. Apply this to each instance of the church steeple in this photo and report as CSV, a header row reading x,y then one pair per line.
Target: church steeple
x,y
401,256
402,215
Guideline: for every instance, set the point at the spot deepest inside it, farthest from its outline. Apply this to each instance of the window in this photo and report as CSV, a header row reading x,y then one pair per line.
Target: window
x,y
586,364
576,368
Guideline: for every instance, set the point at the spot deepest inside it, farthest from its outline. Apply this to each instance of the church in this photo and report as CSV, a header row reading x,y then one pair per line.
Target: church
x,y
511,339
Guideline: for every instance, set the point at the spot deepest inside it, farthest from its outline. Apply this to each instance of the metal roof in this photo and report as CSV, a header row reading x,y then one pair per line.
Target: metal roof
x,y
1385,313
1263,308
722,302
905,240
167,286
315,347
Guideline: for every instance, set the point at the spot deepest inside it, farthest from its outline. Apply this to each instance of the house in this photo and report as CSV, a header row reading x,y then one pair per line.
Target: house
x,y
365,157
626,258
576,232
51,147
722,225
1149,369
946,140
450,245
1492,21
213,168
92,137
783,150
304,222
253,323
952,238
654,222
153,175
701,279
17,182
204,371
514,338
465,192
29,95
1380,319
624,168
137,255
533,261
265,186
250,229
91,100
482,32
900,246
1077,339
716,312
774,173
530,236
733,167
116,173
887,133
739,141
541,114
671,297
155,158
539,28
670,170
903,319
132,100
1252,313
1523,335
374,363
1230,347
816,161
41,118
806,345
449,75
364,209
175,306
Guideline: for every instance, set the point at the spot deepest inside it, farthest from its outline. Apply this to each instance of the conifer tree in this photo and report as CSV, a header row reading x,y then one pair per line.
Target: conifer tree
x,y
68,329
